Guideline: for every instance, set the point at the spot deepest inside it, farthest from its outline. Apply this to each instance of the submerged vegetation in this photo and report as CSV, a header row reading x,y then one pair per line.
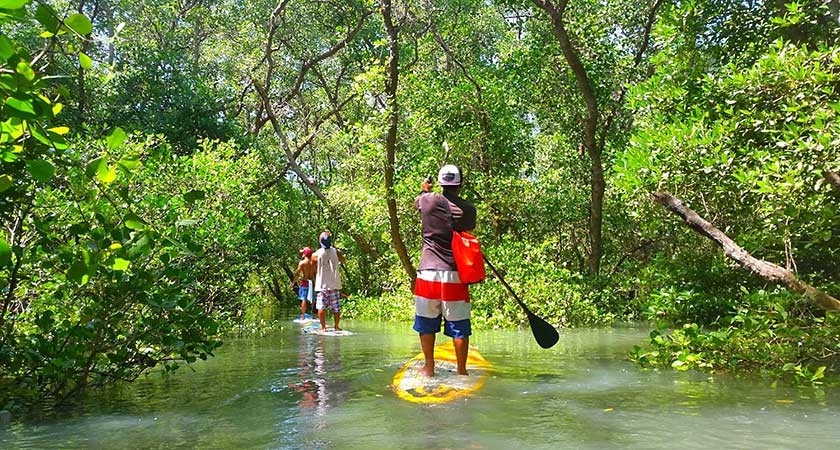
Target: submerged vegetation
x,y
163,162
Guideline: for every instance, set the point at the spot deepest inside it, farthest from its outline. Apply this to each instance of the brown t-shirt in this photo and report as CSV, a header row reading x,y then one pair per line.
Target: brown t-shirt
x,y
441,214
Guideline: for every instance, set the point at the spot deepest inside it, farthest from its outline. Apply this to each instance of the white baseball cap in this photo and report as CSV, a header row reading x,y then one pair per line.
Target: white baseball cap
x,y
449,175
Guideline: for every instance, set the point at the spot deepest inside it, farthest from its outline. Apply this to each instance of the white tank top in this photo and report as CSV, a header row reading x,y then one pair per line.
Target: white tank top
x,y
328,277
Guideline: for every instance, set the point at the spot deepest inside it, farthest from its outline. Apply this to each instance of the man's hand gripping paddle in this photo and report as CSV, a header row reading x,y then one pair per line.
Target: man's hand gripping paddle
x,y
544,333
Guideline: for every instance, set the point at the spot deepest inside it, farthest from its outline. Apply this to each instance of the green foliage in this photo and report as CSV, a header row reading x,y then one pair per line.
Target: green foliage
x,y
769,335
166,213
745,144
752,154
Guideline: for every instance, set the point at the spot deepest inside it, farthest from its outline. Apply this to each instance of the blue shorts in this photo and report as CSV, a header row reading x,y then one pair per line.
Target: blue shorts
x,y
457,329
303,294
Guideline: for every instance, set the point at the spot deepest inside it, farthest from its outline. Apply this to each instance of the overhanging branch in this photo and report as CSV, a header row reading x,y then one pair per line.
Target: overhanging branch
x,y
764,269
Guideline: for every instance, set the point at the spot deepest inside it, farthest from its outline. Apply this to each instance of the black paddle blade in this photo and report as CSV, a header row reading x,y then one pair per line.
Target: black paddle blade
x,y
545,335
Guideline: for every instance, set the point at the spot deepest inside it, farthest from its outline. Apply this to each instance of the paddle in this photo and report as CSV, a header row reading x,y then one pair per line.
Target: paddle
x,y
545,335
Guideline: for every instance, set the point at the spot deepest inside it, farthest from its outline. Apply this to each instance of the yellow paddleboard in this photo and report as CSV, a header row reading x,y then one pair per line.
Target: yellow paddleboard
x,y
410,383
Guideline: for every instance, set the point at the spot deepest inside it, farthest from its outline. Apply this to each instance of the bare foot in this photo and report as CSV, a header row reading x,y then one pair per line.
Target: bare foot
x,y
338,329
463,373
428,371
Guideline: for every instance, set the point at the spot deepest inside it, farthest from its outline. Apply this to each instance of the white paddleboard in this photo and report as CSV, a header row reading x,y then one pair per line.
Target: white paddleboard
x,y
315,328
307,318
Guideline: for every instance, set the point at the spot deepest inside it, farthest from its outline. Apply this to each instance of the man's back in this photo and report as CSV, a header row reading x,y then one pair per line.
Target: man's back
x,y
328,277
308,268
440,214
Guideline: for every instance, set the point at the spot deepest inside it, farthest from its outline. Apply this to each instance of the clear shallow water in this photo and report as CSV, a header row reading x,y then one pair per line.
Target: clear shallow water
x,y
293,391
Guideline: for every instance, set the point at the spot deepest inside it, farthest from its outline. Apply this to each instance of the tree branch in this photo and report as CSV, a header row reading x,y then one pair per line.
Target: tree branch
x,y
637,61
764,269
293,165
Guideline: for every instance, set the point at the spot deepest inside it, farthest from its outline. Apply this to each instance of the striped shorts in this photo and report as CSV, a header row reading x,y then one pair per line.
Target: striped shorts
x,y
440,293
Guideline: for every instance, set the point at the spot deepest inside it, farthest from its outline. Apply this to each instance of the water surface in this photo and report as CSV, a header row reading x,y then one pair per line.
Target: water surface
x,y
293,391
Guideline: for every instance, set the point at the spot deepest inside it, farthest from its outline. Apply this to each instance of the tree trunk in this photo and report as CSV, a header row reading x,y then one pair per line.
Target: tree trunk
x,y
597,182
833,178
765,270
391,84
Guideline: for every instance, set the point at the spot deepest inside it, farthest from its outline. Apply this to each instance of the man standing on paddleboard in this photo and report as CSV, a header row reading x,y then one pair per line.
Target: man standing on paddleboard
x,y
438,291
306,270
328,280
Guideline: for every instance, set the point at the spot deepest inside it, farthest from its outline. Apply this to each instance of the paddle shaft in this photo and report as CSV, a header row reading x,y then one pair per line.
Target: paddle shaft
x,y
507,286
545,334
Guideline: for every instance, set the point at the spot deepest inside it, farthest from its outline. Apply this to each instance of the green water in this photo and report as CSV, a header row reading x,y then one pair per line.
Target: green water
x,y
293,391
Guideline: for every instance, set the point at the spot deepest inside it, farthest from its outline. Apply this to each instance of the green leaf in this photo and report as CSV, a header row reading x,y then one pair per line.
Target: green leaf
x,y
5,182
96,167
13,4
7,48
78,272
8,82
40,170
194,195
116,138
47,17
50,139
85,61
141,247
120,264
133,222
17,107
818,374
24,69
5,253
107,176
185,222
79,23
129,162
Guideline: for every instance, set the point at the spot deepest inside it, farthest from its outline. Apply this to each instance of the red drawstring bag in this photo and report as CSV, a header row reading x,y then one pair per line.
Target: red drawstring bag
x,y
468,257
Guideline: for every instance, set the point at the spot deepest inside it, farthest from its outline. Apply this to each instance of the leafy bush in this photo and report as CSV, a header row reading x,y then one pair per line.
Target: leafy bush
x,y
767,337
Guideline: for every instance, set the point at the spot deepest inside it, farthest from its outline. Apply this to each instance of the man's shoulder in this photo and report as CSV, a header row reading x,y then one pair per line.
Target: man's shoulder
x,y
466,203
460,202
427,197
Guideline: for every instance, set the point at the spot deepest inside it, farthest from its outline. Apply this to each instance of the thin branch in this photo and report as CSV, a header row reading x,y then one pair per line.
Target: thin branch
x,y
637,61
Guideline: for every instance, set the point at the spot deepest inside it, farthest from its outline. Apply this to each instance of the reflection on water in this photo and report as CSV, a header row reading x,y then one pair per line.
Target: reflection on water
x,y
320,387
293,391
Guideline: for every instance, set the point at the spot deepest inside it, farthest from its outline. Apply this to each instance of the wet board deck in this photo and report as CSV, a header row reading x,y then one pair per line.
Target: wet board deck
x,y
410,384
315,328
306,320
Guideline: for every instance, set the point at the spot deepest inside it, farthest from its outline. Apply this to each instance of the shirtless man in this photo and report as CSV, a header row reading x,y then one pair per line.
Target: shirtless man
x,y
306,269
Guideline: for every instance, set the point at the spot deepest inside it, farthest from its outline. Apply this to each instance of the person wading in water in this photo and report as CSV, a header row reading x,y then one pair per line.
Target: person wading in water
x,y
438,291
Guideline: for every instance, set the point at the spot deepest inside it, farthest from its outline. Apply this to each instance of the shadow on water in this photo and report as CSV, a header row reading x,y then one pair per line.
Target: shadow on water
x,y
294,391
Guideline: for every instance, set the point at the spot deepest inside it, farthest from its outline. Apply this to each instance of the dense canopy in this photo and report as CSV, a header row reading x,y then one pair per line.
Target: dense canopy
x,y
164,160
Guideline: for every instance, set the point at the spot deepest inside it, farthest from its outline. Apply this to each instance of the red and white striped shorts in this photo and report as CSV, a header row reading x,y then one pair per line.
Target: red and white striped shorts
x,y
439,292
